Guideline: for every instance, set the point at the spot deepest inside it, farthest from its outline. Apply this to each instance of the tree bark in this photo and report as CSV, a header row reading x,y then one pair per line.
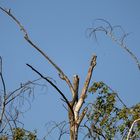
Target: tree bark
x,y
77,103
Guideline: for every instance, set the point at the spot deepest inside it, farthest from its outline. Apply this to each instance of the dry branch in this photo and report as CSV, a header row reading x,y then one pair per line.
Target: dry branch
x,y
85,88
109,30
3,104
53,85
76,104
76,88
26,37
9,113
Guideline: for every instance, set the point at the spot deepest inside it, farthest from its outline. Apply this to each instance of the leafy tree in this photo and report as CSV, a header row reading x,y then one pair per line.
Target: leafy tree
x,y
19,134
107,118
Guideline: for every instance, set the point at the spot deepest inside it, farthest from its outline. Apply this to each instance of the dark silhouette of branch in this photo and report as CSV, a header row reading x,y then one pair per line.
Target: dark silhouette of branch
x,y
60,126
23,87
53,85
90,135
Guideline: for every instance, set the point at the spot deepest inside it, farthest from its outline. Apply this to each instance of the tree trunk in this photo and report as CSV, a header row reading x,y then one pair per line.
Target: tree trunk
x,y
74,131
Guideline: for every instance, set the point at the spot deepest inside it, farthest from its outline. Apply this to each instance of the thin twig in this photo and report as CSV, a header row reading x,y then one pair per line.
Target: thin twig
x,y
95,131
21,88
60,126
109,30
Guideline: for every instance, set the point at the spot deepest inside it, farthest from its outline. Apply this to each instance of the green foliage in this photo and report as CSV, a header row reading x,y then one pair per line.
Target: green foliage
x,y
109,120
20,134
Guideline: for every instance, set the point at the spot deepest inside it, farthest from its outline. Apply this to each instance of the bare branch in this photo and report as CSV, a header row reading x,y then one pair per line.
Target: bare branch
x,y
8,12
9,113
53,85
1,76
85,88
90,132
109,30
76,88
4,90
82,115
26,37
60,126
23,87
8,122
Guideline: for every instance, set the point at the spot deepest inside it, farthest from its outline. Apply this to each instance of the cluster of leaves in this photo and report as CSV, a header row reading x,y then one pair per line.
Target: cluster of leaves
x,y
20,134
108,119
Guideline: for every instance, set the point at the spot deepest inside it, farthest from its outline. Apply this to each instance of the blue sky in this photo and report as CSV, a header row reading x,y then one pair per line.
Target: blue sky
x,y
58,28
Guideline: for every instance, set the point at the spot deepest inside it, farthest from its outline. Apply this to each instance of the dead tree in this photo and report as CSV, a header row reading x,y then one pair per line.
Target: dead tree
x,y
75,111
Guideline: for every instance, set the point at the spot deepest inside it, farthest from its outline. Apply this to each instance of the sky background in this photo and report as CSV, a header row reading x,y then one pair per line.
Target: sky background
x,y
59,29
